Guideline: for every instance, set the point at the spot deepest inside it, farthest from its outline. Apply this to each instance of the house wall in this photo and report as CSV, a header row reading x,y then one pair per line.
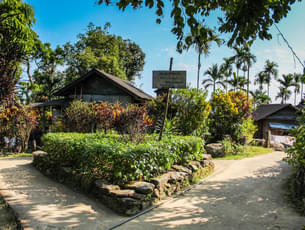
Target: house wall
x,y
99,89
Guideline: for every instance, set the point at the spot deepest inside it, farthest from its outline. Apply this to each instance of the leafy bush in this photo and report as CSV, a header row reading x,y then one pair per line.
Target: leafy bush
x,y
16,122
248,129
296,154
188,111
231,148
119,161
192,111
229,111
79,117
133,121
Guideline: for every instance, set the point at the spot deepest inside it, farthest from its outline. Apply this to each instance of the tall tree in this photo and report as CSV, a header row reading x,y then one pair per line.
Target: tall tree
x,y
243,20
248,59
237,58
202,41
260,80
227,70
270,70
238,82
97,48
215,77
260,97
286,82
297,79
16,42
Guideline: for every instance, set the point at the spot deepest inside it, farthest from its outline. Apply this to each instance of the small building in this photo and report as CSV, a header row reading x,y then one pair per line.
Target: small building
x,y
278,118
96,86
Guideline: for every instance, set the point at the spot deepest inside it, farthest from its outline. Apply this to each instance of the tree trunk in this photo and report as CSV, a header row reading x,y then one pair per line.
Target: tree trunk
x,y
29,73
198,71
248,79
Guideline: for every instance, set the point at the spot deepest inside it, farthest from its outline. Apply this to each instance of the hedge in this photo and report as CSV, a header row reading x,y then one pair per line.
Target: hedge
x,y
113,158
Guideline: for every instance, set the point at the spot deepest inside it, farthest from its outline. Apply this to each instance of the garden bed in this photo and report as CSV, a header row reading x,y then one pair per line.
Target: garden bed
x,y
126,177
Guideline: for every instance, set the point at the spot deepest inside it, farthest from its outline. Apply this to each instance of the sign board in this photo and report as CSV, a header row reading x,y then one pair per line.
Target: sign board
x,y
169,79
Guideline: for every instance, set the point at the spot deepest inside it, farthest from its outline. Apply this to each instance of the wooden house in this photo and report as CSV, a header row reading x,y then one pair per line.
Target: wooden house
x,y
278,118
96,86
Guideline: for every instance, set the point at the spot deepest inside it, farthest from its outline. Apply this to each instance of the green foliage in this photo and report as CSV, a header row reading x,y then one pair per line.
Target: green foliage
x,y
296,154
248,129
16,122
244,20
192,111
79,117
98,49
229,111
16,42
113,158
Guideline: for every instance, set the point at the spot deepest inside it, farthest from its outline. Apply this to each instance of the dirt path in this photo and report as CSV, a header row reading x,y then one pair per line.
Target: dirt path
x,y
244,194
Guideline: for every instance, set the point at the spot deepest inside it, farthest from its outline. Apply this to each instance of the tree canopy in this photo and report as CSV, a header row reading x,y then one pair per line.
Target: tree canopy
x,y
110,53
245,20
17,40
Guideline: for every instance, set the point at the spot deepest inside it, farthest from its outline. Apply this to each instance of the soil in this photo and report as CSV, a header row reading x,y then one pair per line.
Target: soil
x,y
240,194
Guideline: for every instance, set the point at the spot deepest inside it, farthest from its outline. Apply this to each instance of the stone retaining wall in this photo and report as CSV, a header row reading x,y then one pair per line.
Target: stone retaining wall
x,y
132,198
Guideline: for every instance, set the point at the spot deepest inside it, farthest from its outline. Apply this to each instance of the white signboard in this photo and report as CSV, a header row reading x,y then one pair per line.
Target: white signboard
x,y
169,79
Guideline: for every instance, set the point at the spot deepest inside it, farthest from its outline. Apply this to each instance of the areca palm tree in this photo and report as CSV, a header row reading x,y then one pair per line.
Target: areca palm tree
x,y
260,80
297,78
270,69
249,59
215,77
237,82
286,82
226,69
260,97
237,58
202,41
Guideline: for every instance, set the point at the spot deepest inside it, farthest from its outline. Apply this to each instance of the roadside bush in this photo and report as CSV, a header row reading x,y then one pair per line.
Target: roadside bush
x,y
248,129
229,111
16,124
192,111
119,161
231,148
188,111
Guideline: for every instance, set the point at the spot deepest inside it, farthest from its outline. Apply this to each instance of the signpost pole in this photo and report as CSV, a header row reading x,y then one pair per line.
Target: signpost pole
x,y
167,99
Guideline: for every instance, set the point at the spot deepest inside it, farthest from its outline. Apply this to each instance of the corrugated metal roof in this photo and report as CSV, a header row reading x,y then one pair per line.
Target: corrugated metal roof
x,y
274,125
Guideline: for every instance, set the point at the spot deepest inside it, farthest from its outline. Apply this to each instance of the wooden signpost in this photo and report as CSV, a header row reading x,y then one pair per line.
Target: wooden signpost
x,y
167,80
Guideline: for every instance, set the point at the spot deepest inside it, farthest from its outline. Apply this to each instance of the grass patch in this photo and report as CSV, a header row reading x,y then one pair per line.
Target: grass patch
x,y
249,151
7,217
16,155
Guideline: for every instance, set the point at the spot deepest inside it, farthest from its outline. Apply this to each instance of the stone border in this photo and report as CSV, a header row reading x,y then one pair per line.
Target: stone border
x,y
132,198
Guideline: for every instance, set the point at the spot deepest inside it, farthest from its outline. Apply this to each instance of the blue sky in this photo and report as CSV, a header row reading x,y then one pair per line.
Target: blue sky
x,y
58,22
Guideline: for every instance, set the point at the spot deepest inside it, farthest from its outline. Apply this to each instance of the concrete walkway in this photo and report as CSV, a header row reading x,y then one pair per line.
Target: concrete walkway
x,y
244,194
41,203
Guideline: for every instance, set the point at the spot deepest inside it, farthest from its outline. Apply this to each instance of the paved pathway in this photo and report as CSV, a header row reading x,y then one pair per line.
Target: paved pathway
x,y
41,203
244,194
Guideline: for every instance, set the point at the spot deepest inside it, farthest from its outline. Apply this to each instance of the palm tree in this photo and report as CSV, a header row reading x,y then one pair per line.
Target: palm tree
x,y
237,58
249,59
270,70
260,97
202,40
260,79
237,82
286,82
226,69
216,77
297,80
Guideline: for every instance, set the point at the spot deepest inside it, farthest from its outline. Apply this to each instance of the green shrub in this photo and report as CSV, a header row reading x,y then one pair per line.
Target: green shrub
x,y
229,111
248,129
117,160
